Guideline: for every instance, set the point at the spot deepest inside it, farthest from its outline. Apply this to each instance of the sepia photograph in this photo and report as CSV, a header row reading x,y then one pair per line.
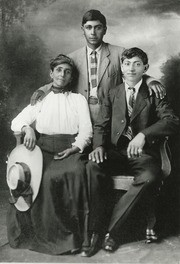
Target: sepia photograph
x,y
90,131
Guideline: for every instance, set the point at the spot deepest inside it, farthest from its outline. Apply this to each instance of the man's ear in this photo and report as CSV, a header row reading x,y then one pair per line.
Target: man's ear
x,y
51,74
105,30
82,28
146,67
121,67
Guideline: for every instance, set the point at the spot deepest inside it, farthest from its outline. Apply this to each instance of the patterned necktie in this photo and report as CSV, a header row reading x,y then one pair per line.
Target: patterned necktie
x,y
131,102
93,69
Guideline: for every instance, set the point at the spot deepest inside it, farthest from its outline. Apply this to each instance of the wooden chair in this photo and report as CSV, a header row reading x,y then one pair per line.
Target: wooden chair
x,y
123,182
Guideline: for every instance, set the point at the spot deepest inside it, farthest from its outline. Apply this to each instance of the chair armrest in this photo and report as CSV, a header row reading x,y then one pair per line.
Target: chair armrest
x,y
165,157
19,137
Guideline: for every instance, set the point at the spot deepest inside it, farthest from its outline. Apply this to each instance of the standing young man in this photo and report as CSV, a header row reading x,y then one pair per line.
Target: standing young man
x,y
98,64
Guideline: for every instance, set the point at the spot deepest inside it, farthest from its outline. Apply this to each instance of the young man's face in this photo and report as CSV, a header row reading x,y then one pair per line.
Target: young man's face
x,y
133,69
94,32
61,75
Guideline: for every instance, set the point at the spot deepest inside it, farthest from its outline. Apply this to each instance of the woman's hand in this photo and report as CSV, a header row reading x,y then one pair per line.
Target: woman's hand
x,y
66,153
29,138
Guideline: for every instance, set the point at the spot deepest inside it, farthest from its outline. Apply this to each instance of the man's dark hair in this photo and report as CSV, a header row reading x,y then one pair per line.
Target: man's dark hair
x,y
133,52
94,14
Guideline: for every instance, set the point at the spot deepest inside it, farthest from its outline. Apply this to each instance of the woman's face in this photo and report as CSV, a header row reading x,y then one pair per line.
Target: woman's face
x,y
61,75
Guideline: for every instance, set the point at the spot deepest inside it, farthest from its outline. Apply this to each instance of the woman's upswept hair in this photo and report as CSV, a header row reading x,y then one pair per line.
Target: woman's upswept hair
x,y
60,59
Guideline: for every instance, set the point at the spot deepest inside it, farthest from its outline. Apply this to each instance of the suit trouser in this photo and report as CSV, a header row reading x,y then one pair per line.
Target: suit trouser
x,y
100,186
147,174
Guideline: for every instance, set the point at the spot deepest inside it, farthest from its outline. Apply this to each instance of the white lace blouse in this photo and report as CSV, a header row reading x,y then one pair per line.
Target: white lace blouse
x,y
61,113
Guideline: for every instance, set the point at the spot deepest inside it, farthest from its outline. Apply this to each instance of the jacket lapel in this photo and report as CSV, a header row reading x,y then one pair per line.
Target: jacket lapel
x,y
120,102
83,80
140,101
104,61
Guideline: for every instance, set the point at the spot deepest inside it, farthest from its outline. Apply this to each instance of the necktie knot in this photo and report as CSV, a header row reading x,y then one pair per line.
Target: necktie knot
x,y
93,52
94,57
131,99
132,89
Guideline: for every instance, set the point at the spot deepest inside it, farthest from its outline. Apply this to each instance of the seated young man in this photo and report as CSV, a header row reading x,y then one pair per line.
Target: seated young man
x,y
130,125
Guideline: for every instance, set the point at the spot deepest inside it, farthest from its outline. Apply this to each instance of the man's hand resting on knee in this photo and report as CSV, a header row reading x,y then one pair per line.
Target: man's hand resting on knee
x,y
135,146
98,155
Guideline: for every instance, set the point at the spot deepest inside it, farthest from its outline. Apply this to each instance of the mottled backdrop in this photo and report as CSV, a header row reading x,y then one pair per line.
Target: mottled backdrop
x,y
34,31
153,25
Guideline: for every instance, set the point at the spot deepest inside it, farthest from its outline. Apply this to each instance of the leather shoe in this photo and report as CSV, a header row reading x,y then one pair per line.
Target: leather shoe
x,y
151,236
109,243
93,248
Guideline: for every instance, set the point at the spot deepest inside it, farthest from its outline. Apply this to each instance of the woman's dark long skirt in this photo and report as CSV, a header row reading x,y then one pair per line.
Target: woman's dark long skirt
x,y
57,221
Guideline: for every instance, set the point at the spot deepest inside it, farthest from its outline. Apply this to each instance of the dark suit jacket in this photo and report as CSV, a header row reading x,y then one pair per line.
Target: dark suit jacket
x,y
151,116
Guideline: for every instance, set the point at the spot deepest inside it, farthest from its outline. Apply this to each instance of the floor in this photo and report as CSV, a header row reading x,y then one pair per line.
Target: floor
x,y
167,251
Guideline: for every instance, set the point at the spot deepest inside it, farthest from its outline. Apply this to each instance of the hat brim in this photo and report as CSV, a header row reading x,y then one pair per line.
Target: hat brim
x,y
34,160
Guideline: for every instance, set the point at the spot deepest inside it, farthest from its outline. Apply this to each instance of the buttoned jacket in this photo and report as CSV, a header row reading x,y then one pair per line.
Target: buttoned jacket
x,y
151,116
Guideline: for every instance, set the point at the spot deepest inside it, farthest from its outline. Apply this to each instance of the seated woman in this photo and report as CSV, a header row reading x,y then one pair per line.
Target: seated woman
x,y
57,221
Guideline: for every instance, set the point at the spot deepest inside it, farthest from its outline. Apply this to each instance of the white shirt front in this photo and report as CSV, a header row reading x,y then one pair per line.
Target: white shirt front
x,y
93,91
59,113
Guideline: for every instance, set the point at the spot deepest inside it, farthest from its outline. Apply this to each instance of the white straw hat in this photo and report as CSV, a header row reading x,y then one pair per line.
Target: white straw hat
x,y
24,173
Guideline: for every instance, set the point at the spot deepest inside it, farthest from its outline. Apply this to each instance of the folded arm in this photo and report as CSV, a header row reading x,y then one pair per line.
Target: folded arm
x,y
22,122
166,125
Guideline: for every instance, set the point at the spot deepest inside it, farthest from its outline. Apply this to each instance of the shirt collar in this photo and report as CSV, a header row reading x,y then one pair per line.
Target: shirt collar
x,y
98,50
137,86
